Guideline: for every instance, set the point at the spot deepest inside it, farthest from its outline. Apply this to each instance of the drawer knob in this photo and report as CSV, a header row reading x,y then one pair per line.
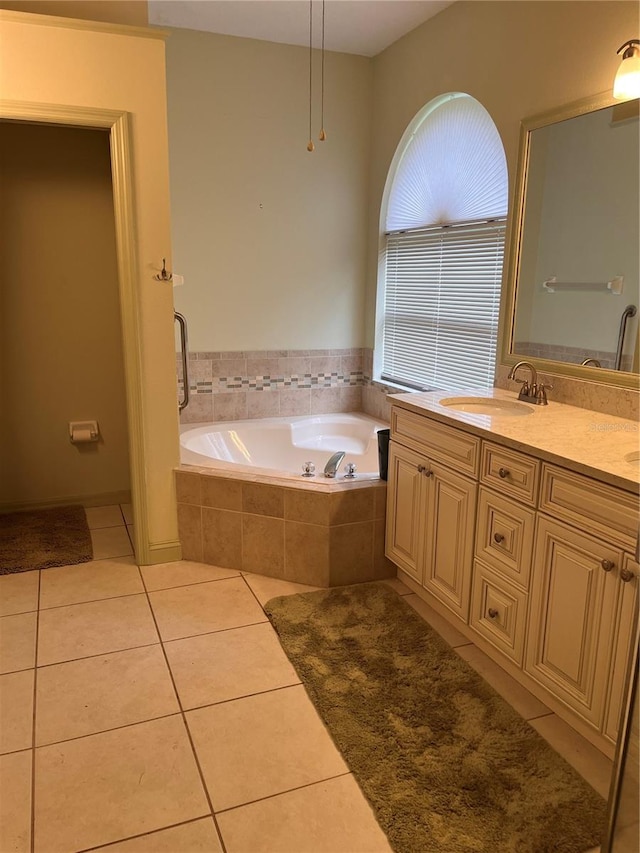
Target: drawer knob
x,y
503,472
607,565
424,469
420,469
626,575
493,613
498,537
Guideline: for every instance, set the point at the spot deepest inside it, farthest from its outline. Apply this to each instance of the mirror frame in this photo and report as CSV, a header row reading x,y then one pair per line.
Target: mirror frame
x,y
507,356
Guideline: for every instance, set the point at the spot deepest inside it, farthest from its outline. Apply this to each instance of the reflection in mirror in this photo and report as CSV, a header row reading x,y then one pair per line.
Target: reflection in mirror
x,y
577,267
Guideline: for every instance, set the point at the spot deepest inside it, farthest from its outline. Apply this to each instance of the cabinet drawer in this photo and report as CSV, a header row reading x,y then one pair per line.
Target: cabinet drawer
x,y
499,612
436,441
504,536
511,472
588,504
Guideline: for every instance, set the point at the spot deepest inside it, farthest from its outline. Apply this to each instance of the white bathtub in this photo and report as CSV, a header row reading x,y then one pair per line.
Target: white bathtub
x,y
281,446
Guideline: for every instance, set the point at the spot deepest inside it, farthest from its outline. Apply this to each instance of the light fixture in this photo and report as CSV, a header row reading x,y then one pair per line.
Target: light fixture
x,y
627,82
322,135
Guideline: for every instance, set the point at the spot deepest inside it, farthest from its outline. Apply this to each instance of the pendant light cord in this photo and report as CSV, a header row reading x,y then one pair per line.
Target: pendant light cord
x,y
310,145
323,135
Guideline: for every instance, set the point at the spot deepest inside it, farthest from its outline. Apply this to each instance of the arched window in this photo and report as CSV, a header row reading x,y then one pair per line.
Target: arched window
x,y
443,217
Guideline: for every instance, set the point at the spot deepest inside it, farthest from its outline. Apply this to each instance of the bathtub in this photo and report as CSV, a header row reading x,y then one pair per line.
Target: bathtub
x,y
279,447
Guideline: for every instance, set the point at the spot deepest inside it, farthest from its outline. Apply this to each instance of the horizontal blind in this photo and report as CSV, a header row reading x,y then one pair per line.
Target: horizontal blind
x,y
442,299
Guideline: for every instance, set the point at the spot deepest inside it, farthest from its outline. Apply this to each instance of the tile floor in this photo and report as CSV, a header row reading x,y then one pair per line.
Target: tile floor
x,y
152,710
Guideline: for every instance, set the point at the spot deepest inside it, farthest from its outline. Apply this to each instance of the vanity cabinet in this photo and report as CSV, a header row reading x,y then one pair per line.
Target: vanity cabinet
x,y
534,559
430,520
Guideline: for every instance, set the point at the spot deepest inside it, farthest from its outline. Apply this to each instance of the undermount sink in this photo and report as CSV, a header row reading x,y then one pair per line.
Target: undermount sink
x,y
487,406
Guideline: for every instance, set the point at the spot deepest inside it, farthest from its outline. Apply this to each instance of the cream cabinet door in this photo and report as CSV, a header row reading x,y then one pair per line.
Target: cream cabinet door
x,y
449,538
572,616
405,509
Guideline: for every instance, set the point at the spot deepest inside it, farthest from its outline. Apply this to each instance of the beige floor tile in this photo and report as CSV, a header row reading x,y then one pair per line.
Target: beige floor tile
x,y
182,573
524,702
438,623
590,763
399,587
95,628
199,609
16,711
127,513
94,694
15,802
89,582
18,592
18,642
104,516
114,785
262,745
110,542
265,588
199,836
229,664
329,817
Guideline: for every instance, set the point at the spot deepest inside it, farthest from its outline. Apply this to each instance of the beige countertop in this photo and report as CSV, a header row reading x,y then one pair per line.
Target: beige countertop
x,y
588,442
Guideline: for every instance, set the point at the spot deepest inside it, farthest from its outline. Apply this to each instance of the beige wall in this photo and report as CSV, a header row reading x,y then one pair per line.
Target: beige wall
x,y
270,238
131,12
111,69
60,339
516,58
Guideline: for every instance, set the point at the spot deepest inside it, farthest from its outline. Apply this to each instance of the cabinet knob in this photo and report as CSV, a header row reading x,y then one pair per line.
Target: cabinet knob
x,y
428,472
503,472
626,575
607,565
424,469
498,537
421,468
493,612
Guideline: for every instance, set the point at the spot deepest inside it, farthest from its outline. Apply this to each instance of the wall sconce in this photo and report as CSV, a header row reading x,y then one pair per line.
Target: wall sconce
x,y
627,82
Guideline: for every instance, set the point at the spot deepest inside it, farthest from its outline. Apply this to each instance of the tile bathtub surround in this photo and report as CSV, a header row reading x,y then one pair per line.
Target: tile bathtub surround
x,y
228,386
318,537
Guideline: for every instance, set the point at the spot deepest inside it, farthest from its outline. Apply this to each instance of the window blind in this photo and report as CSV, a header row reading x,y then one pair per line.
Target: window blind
x,y
442,298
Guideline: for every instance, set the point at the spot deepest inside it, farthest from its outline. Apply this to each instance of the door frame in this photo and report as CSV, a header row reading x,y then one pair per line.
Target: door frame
x,y
119,126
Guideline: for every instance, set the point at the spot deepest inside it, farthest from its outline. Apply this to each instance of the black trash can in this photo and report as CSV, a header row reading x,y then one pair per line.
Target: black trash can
x,y
383,452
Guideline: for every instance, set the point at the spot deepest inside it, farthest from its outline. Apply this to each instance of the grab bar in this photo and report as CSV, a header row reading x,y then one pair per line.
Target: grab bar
x,y
184,352
629,311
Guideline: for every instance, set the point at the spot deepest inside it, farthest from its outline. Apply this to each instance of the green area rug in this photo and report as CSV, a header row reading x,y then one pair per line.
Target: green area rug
x,y
42,538
445,762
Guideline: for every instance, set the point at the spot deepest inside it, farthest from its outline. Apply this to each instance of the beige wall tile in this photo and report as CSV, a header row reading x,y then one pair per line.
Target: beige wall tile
x,y
263,404
306,553
307,506
188,488
351,398
221,493
262,499
295,366
263,545
326,364
94,628
382,566
229,367
325,400
262,745
329,816
199,836
182,573
351,364
89,582
350,505
263,367
351,553
83,697
148,778
190,531
229,664
16,711
380,502
230,406
17,642
15,802
295,401
222,538
186,611
19,592
199,410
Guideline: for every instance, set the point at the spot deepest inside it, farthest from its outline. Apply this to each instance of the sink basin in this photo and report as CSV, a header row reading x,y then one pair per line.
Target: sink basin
x,y
488,406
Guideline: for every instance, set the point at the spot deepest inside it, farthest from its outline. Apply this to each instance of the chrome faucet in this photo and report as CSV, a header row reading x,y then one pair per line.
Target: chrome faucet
x,y
331,468
532,391
593,361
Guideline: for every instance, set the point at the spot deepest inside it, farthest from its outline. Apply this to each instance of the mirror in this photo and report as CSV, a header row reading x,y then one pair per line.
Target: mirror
x,y
573,289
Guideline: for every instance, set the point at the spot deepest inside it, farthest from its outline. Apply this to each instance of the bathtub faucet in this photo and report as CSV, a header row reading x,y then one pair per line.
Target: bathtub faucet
x,y
331,468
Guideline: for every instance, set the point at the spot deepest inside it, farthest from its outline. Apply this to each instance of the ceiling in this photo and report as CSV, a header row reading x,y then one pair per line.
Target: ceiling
x,y
363,27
